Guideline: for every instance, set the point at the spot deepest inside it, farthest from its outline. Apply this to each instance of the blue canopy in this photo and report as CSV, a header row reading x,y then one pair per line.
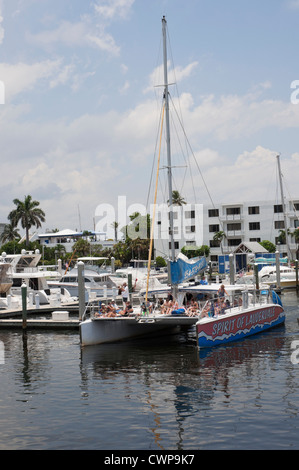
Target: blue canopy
x,y
183,269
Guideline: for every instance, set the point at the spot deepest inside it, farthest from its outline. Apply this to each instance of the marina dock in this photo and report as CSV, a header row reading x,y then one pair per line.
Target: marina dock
x,y
45,317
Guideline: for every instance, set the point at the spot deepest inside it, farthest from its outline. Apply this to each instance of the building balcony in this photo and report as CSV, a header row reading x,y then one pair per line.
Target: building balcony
x,y
235,233
231,218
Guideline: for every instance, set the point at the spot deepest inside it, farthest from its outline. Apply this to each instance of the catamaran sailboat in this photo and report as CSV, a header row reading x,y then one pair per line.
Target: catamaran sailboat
x,y
214,324
100,329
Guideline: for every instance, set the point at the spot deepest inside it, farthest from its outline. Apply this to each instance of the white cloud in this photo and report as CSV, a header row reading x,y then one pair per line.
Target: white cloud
x,y
112,8
79,34
90,31
22,77
63,77
175,75
236,116
96,157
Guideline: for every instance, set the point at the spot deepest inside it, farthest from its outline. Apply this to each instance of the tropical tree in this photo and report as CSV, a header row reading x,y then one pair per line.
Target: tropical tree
x,y
177,199
82,247
195,251
28,213
9,234
282,236
115,225
295,234
268,246
160,262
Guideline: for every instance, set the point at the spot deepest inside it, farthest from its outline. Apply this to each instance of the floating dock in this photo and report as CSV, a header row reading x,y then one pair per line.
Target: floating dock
x,y
45,317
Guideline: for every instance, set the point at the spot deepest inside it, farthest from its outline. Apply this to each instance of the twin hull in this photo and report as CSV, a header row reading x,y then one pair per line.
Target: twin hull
x,y
234,326
108,330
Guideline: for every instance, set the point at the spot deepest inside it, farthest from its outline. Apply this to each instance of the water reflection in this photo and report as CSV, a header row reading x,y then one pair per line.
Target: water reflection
x,y
152,394
183,382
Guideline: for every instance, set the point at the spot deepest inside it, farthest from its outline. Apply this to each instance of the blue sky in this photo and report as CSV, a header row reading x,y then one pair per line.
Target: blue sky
x,y
79,123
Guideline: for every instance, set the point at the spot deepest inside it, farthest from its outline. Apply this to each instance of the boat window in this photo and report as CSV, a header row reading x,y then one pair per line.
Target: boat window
x,y
69,279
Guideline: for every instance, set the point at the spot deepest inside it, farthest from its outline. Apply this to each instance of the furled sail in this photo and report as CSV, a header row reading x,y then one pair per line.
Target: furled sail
x,y
183,268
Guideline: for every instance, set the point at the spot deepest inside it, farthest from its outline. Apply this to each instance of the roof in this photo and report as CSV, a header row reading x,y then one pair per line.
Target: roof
x,y
250,247
63,233
68,233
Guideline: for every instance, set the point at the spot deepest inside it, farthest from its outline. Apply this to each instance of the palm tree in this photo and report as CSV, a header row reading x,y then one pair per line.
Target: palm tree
x,y
9,233
177,199
115,226
295,234
28,213
218,237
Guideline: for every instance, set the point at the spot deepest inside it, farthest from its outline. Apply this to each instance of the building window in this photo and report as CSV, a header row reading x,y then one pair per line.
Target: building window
x,y
233,210
279,224
213,212
214,228
254,239
254,226
176,245
253,210
234,242
278,208
190,229
214,243
190,215
233,227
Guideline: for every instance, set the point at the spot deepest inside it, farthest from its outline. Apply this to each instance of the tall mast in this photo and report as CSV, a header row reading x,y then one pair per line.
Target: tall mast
x,y
169,169
284,209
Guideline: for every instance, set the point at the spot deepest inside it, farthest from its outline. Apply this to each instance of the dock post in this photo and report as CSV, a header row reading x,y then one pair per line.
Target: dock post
x,y
256,274
277,259
24,305
130,289
231,269
81,289
112,264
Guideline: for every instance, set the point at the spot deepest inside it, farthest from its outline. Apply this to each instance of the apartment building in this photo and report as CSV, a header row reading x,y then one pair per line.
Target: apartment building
x,y
241,222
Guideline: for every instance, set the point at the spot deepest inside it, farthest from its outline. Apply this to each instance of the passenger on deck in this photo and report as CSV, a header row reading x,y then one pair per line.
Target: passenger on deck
x,y
167,307
127,310
222,306
112,308
206,310
192,310
222,291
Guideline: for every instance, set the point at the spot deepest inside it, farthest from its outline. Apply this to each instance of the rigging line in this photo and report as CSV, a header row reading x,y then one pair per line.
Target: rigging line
x,y
154,209
200,172
153,164
181,118
185,157
182,151
175,81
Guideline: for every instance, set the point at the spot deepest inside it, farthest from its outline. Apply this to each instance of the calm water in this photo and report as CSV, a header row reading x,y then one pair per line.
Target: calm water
x,y
150,395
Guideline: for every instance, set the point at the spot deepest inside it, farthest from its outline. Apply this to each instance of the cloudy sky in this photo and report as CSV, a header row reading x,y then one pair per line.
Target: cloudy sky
x,y
80,101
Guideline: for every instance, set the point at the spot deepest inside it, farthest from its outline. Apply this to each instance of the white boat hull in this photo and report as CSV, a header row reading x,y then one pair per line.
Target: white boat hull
x,y
109,330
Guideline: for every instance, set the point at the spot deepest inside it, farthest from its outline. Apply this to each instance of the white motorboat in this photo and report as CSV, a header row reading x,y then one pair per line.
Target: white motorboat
x,y
287,276
23,269
96,284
